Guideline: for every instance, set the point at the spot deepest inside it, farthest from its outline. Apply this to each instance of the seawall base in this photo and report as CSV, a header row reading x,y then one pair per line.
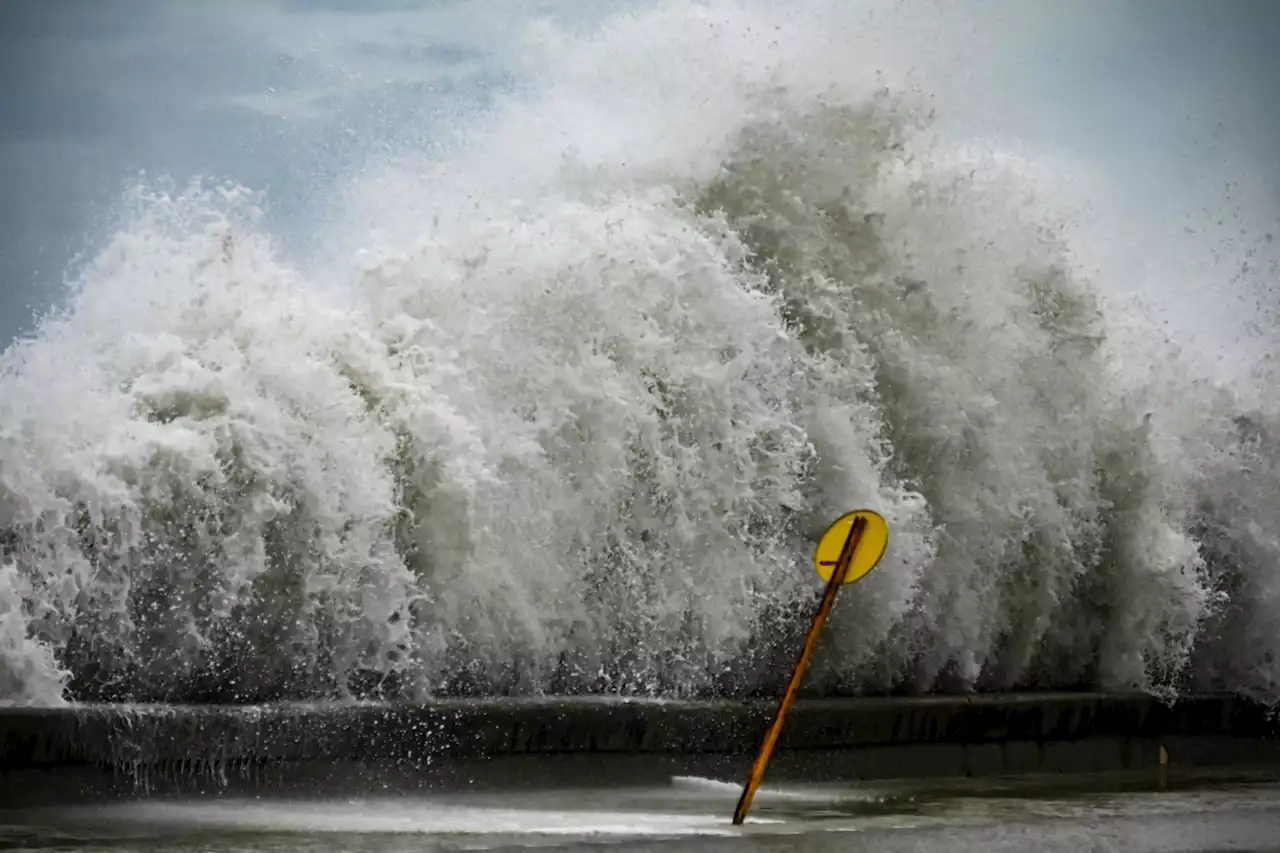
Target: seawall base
x,y
94,751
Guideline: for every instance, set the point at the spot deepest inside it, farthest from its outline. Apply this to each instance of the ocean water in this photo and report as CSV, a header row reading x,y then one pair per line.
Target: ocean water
x,y
562,407
688,815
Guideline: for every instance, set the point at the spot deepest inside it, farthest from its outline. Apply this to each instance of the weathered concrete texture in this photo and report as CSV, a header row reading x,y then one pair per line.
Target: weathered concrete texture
x,y
88,752
133,736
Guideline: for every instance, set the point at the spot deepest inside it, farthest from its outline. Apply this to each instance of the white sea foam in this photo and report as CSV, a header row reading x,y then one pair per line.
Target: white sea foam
x,y
567,407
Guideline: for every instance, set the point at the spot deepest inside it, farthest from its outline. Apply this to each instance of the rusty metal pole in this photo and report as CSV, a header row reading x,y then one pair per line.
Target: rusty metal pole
x,y
797,674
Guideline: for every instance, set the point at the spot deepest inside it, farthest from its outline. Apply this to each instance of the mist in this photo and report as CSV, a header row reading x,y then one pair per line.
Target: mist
x,y
1162,115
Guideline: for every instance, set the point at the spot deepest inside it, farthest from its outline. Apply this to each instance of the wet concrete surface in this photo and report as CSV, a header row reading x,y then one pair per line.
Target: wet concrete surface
x,y
1072,772
980,735
1071,813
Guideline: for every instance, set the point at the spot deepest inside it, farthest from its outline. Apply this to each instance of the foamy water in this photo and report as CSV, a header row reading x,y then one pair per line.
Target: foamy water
x,y
564,411
1232,817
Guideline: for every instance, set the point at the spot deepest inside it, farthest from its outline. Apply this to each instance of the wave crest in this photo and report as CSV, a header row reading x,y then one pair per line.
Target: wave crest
x,y
585,443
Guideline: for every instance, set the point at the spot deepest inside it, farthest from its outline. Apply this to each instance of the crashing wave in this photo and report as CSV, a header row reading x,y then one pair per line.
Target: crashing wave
x,y
582,441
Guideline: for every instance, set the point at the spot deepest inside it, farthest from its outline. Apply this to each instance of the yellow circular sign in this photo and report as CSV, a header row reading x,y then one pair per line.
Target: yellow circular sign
x,y
871,545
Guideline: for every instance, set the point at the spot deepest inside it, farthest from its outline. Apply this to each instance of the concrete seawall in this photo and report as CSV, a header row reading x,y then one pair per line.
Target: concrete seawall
x,y
589,739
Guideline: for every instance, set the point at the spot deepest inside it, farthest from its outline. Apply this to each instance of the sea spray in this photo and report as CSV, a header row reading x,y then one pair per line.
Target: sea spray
x,y
573,418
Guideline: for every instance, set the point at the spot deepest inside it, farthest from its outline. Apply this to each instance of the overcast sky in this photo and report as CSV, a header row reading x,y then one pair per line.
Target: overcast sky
x,y
1174,103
